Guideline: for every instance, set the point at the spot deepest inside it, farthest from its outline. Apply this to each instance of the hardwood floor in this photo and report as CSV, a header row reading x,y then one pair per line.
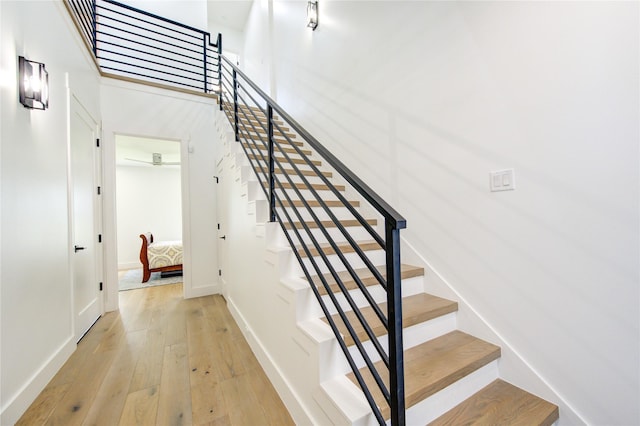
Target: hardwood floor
x,y
161,360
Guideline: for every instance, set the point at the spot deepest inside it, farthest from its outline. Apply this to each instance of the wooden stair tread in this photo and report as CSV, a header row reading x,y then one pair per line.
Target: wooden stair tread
x,y
276,132
433,365
303,172
285,161
415,310
262,124
286,149
343,247
258,124
259,116
302,187
254,136
260,113
501,403
279,140
365,275
330,223
316,203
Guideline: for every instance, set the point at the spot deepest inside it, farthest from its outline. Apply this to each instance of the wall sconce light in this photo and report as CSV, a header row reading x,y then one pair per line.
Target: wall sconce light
x,y
33,84
312,14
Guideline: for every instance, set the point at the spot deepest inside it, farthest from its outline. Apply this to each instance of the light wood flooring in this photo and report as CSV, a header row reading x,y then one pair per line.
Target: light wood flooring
x,y
161,360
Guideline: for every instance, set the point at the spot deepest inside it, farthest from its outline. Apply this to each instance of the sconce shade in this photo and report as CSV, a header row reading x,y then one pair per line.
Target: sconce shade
x,y
33,82
312,15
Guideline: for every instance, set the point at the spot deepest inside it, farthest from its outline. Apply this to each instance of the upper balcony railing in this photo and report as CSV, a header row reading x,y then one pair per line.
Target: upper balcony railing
x,y
132,44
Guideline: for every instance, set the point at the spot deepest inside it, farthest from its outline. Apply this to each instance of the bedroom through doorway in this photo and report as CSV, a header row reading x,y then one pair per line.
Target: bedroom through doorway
x,y
149,204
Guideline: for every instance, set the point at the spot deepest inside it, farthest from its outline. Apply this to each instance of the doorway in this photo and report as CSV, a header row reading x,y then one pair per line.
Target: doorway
x,y
86,217
148,200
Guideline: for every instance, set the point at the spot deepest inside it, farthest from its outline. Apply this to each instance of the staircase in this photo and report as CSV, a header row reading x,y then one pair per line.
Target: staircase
x,y
401,358
451,378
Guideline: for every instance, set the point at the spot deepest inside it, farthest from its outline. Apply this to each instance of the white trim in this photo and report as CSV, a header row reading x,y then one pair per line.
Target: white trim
x,y
110,227
185,178
110,218
129,265
205,290
18,404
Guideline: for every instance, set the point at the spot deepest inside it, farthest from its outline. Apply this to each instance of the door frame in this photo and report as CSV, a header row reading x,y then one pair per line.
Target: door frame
x,y
110,213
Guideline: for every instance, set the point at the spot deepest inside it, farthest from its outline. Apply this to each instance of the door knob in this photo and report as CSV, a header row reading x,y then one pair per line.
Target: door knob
x,y
78,248
224,237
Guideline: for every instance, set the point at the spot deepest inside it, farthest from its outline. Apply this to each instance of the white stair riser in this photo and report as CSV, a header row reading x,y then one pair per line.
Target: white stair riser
x,y
410,287
357,233
321,213
376,257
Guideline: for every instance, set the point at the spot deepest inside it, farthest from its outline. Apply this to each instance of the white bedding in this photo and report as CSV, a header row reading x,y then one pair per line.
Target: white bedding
x,y
164,253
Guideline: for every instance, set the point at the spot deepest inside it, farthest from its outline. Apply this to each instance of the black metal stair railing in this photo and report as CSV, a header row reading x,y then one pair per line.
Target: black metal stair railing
x,y
130,43
135,44
259,125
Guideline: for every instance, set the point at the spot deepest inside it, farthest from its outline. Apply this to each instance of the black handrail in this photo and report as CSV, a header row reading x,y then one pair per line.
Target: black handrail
x,y
253,121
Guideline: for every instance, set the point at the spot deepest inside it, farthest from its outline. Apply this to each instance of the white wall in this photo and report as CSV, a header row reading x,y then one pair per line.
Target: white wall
x,y
232,39
188,12
35,297
135,110
424,99
148,200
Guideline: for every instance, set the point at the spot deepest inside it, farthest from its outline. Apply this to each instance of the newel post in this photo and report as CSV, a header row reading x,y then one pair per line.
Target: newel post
x,y
272,195
394,304
204,61
219,44
235,104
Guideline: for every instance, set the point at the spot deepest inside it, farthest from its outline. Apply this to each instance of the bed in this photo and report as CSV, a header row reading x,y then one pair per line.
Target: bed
x,y
160,256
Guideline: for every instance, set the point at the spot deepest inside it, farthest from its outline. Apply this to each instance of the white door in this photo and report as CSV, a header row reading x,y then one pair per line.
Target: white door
x,y
222,213
84,250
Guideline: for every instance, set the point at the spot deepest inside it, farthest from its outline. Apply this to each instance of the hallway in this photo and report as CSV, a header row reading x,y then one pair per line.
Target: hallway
x,y
161,360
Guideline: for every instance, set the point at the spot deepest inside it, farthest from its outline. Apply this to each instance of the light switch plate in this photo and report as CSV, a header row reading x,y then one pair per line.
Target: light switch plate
x,y
502,180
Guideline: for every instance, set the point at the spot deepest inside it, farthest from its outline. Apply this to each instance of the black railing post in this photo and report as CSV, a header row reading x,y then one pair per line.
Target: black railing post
x,y
272,195
235,104
94,28
204,60
219,43
394,303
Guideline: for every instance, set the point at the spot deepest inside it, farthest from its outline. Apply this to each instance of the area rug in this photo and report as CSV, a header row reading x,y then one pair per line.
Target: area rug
x,y
132,279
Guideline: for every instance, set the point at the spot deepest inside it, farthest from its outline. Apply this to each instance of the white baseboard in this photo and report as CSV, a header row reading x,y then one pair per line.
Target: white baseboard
x,y
291,401
18,404
204,290
129,265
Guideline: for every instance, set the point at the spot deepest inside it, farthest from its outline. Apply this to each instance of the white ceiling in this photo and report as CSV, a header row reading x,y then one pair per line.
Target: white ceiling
x,y
230,13
132,151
